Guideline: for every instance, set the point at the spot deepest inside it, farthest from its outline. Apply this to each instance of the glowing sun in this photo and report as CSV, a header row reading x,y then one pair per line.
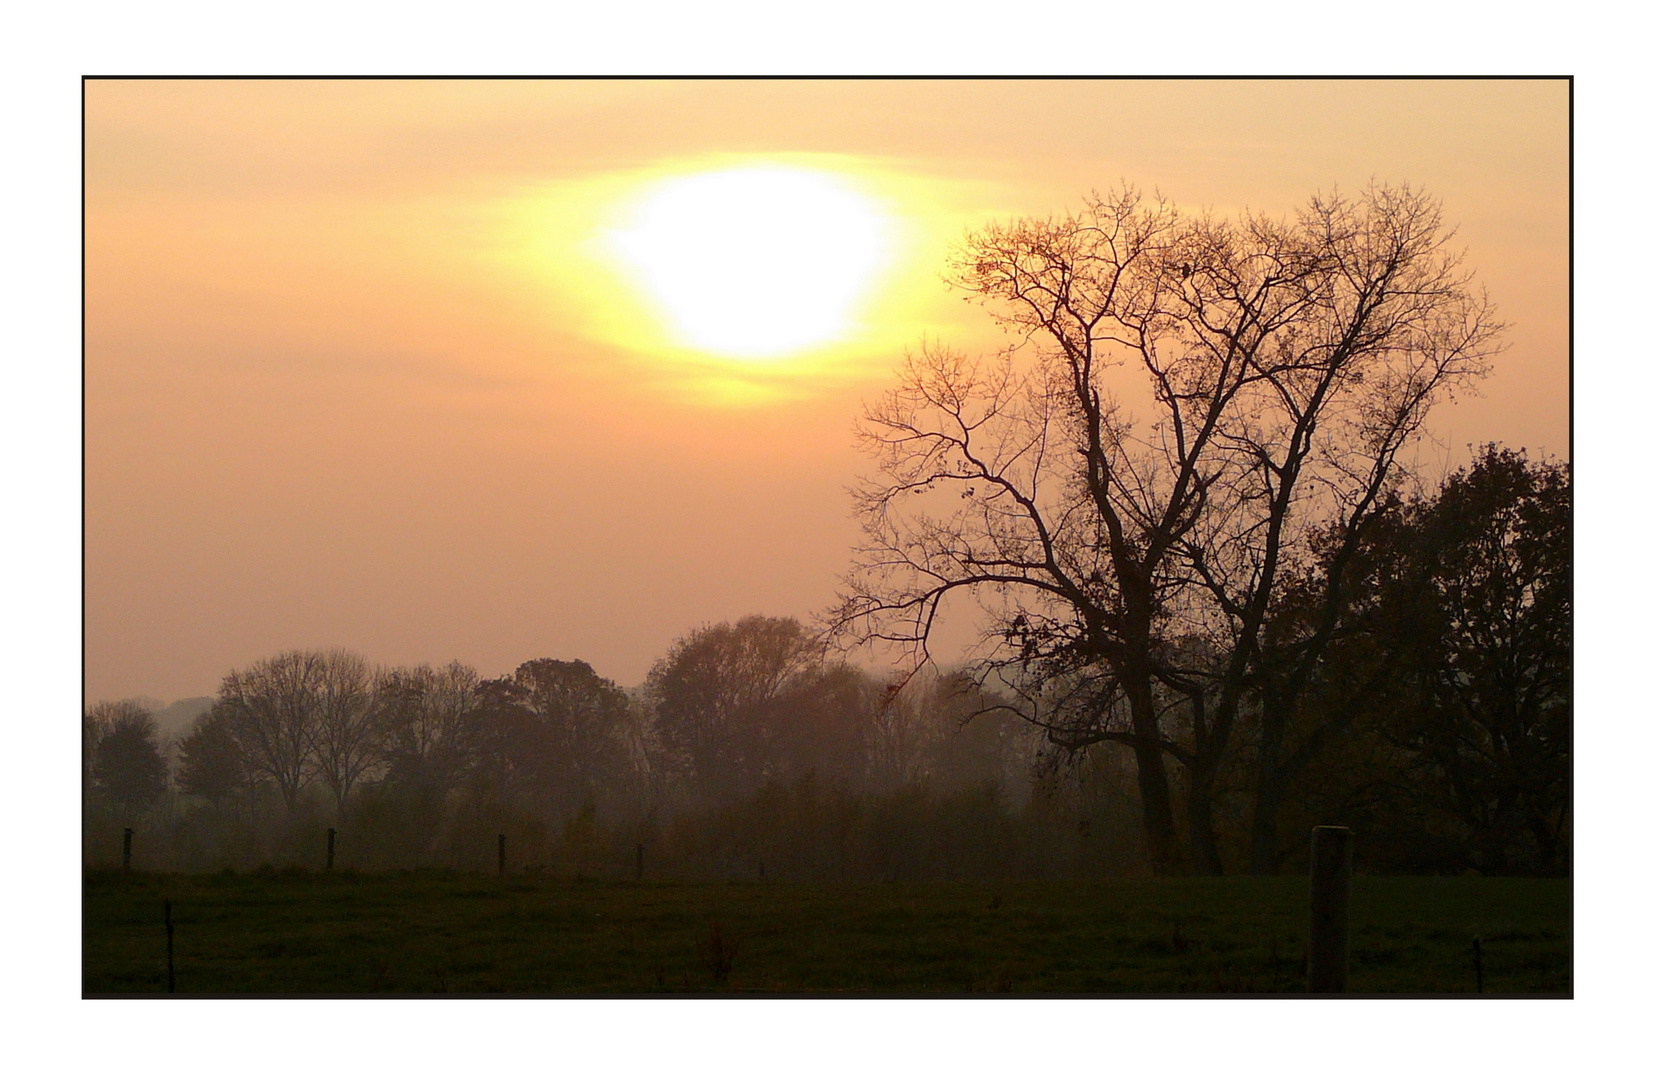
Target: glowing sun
x,y
755,262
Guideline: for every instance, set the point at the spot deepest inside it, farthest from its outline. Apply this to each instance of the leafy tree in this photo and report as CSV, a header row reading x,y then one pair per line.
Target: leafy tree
x,y
211,763
128,770
1484,612
720,696
554,739
578,722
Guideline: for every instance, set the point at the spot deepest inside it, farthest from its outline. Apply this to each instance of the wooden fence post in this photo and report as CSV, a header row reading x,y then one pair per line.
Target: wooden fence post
x,y
500,853
167,916
1329,946
126,850
330,849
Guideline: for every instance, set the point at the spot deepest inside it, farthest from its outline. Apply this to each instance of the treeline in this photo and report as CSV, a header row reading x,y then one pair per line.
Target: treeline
x,y
746,751
1437,724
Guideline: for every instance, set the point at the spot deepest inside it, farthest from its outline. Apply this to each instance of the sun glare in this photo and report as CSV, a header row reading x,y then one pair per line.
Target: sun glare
x,y
756,262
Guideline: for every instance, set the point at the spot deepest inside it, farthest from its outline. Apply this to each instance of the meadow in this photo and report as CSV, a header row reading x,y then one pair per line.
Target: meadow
x,y
433,932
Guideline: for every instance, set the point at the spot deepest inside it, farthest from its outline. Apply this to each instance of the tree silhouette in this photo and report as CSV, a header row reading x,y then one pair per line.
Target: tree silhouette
x,y
1484,699
275,705
428,722
128,770
211,764
578,723
1193,401
719,697
346,741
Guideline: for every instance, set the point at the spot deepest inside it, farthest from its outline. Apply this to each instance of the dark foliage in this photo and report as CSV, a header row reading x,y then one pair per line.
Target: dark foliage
x,y
127,771
211,764
1479,683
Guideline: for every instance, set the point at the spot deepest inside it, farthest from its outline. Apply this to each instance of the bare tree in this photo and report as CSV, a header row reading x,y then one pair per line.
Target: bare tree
x,y
274,705
428,721
948,730
95,724
824,723
648,758
1393,325
1097,539
346,741
900,737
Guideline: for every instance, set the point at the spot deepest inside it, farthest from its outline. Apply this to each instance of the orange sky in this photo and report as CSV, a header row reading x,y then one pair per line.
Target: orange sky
x,y
359,374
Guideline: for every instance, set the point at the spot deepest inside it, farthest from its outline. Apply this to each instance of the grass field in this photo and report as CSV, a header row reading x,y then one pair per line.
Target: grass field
x,y
432,932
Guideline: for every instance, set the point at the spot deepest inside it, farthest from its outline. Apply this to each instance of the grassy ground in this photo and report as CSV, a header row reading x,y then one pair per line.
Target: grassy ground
x,y
295,932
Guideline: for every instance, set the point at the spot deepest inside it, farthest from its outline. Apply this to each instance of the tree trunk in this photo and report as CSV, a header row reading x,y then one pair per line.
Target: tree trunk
x,y
1205,847
1547,844
1154,799
1268,796
290,797
1264,853
1158,809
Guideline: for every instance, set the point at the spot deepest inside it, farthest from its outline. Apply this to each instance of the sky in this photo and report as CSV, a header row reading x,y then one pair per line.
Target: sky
x,y
491,371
